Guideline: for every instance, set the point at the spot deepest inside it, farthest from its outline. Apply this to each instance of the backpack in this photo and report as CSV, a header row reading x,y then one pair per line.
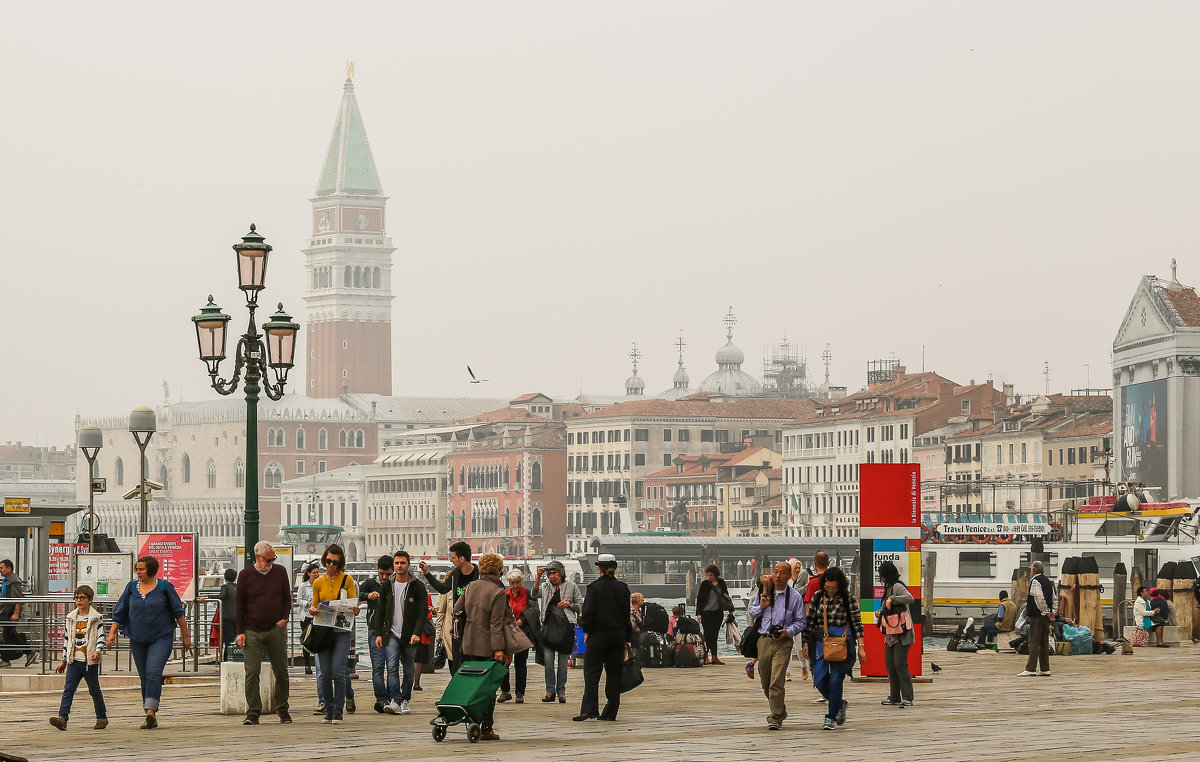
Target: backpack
x,y
654,618
686,625
653,651
689,651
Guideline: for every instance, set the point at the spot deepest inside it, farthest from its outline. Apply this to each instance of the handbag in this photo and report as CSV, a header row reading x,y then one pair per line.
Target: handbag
x,y
833,647
1141,638
515,640
631,672
733,635
558,634
318,637
439,655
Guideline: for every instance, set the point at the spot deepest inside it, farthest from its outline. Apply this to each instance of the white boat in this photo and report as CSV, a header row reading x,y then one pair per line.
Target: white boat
x,y
976,555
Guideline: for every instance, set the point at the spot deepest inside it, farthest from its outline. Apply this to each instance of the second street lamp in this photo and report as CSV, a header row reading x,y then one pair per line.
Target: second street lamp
x,y
142,425
91,440
252,356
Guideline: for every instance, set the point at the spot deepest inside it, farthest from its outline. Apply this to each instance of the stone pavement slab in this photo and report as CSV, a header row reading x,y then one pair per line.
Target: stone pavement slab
x,y
1093,707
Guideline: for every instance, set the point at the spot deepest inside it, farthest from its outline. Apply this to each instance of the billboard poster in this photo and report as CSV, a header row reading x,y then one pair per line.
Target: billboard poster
x,y
106,573
176,554
61,562
890,517
1144,434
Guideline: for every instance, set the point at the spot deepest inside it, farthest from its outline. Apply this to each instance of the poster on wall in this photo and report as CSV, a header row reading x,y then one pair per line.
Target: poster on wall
x,y
176,554
890,518
59,576
1144,434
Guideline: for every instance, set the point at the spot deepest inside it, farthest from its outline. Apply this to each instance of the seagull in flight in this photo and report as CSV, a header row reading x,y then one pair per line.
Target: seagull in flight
x,y
475,380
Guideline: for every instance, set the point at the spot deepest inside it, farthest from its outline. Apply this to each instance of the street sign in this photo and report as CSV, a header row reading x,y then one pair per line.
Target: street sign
x,y
16,505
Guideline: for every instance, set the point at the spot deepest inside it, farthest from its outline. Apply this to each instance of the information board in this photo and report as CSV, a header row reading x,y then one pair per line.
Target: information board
x,y
890,530
106,573
177,560
60,574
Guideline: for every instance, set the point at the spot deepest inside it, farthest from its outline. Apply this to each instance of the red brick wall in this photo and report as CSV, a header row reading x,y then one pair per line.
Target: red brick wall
x,y
366,356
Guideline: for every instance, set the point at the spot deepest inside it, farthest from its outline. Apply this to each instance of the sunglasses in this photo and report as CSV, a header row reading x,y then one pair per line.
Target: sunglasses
x,y
331,562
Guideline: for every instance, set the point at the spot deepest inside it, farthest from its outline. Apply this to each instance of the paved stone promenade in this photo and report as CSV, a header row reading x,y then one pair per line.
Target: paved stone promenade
x,y
1096,707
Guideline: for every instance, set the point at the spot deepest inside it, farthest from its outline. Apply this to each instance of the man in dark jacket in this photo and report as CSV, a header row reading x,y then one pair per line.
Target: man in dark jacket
x,y
403,609
371,592
264,603
463,574
605,622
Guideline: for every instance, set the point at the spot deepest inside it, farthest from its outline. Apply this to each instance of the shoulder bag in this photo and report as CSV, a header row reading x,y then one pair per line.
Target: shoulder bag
x,y
833,647
318,637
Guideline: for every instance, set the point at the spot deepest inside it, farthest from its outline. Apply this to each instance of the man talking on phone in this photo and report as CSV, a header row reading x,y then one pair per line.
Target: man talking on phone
x,y
780,612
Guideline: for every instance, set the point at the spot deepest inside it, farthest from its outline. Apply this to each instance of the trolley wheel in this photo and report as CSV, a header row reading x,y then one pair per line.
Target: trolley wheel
x,y
439,733
473,733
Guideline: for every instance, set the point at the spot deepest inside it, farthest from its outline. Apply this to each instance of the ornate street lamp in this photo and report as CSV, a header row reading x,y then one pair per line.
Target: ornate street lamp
x,y
91,439
253,356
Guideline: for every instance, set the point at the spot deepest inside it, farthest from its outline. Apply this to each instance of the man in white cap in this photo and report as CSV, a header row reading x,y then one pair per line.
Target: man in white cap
x,y
606,625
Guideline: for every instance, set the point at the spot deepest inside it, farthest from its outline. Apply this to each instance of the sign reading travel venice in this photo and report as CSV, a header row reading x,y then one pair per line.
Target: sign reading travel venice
x,y
176,554
992,529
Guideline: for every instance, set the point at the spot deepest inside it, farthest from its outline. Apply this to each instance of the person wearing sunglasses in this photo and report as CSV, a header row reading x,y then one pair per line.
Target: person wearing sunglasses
x,y
264,602
334,584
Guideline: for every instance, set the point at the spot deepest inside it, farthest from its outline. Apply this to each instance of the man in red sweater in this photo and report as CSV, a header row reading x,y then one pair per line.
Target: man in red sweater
x,y
264,600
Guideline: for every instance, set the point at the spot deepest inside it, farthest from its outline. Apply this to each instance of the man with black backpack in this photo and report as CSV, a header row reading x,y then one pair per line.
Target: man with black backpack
x,y
780,614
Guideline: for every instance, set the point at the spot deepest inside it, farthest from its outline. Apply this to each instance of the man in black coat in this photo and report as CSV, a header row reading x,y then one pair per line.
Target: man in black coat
x,y
605,622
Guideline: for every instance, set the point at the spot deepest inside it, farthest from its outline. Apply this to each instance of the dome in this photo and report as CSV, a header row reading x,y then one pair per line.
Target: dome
x,y
634,384
681,377
730,354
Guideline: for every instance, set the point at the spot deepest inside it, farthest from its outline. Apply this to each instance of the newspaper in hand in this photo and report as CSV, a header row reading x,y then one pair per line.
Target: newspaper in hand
x,y
338,614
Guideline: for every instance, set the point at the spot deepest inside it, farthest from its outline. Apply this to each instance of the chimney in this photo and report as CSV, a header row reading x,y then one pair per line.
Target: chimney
x,y
1008,394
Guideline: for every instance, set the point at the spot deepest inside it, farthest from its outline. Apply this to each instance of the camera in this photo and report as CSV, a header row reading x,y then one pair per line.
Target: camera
x,y
776,630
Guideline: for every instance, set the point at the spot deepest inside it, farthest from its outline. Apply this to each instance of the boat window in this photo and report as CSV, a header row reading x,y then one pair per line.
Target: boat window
x,y
977,564
1106,561
1114,527
1049,563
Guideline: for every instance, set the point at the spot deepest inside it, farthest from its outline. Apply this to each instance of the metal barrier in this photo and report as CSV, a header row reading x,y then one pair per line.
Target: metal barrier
x,y
1122,617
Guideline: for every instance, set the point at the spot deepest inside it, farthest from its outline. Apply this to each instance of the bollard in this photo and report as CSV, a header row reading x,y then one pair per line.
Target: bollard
x,y
1181,594
1090,614
1136,580
1068,590
1119,593
1021,592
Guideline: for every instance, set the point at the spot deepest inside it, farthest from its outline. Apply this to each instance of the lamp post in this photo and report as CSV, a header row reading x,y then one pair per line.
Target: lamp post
x,y
142,425
91,439
277,342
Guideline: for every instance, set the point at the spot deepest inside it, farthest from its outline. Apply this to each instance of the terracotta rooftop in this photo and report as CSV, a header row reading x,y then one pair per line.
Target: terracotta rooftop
x,y
1183,300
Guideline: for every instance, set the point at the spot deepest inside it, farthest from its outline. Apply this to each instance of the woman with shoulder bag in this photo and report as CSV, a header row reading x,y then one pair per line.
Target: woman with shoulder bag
x,y
896,624
518,601
832,618
712,603
332,655
562,603
303,601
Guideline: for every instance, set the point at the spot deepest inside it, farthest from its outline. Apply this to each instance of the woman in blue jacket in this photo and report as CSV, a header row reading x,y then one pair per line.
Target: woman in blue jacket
x,y
147,613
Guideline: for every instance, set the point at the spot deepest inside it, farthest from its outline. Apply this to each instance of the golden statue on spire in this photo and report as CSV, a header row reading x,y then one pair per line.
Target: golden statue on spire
x,y
349,70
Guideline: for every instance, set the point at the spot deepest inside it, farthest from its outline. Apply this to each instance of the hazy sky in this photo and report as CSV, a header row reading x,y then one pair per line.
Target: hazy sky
x,y
987,181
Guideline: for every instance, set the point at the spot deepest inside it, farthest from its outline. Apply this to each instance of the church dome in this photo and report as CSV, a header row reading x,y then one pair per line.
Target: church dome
x,y
730,354
729,377
634,384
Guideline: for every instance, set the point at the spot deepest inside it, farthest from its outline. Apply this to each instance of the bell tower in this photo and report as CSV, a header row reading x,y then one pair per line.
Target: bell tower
x,y
348,264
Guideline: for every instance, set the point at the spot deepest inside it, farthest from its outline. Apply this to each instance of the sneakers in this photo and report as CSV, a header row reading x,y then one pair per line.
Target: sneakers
x,y
150,723
251,719
337,719
59,722
819,700
828,725
841,714
750,670
888,702
1026,673
5,663
327,719
378,707
773,726
404,708
320,709
905,703
31,658
285,717
350,705
391,707
101,723
1043,674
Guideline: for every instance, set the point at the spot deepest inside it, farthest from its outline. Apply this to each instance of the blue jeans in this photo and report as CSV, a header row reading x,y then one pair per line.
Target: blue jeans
x,y
77,670
378,666
334,679
556,680
399,654
150,659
